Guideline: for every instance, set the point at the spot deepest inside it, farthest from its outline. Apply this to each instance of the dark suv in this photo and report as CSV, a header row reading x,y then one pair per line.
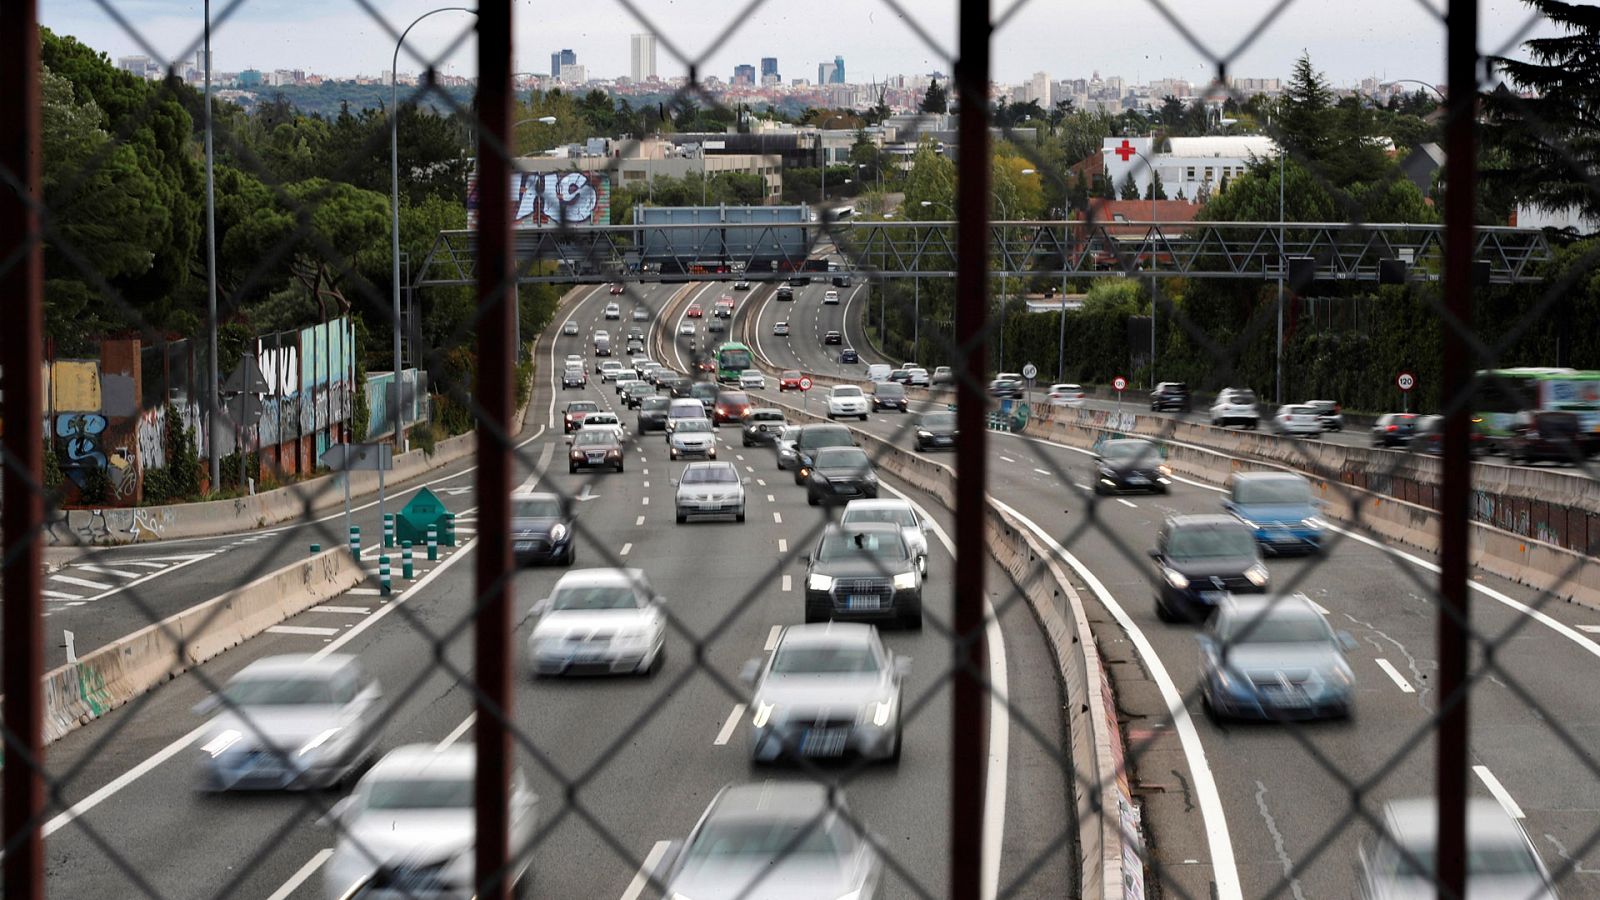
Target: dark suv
x,y
865,572
839,475
1546,434
811,439
1170,395
888,396
1202,559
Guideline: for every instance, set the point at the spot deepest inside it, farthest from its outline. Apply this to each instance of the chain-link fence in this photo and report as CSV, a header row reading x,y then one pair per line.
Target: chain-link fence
x,y
1035,727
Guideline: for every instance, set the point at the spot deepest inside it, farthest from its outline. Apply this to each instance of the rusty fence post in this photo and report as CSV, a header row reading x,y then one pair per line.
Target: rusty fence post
x,y
22,286
1461,148
493,392
969,691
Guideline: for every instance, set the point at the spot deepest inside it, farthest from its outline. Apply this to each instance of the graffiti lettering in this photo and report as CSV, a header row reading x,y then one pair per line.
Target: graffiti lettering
x,y
82,431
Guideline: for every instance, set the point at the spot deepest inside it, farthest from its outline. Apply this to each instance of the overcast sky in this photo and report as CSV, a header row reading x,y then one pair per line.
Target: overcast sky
x,y
1348,39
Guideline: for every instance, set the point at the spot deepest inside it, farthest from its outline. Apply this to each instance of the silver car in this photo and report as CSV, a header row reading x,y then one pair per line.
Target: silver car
x,y
1274,658
709,489
692,437
408,831
827,689
774,841
895,512
1398,862
603,621
787,458
290,722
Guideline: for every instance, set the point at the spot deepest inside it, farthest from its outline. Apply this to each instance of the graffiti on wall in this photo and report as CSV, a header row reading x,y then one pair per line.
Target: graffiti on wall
x,y
549,199
152,437
81,431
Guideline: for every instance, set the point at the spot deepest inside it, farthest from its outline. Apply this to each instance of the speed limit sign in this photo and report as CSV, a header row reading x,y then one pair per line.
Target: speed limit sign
x,y
805,384
1119,383
1405,381
1029,371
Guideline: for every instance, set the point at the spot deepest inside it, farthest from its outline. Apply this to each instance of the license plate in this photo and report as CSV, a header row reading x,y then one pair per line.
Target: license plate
x,y
824,741
1282,537
524,545
596,457
1138,479
941,440
1213,597
863,601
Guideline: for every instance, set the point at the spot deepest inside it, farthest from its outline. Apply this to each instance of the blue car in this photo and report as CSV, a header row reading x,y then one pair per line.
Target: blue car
x,y
1279,509
1275,659
849,356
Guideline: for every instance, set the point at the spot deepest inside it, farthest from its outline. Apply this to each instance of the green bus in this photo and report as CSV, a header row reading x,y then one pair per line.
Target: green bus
x,y
1503,393
732,359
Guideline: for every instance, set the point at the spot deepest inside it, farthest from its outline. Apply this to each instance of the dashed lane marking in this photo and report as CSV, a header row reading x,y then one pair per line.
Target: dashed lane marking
x,y
772,638
730,725
626,548
1128,503
788,584
639,521
303,629
1042,471
771,499
783,546
777,518
1395,676
342,610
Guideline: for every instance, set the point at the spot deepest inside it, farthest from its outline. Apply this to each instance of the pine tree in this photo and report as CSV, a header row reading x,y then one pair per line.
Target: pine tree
x,y
1105,187
935,100
1156,190
1129,189
1303,121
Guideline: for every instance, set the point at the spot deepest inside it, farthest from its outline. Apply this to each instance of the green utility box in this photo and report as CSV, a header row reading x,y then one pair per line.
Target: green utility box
x,y
424,509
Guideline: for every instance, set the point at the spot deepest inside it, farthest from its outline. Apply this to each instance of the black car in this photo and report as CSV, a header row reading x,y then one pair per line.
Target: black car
x,y
936,430
680,385
653,414
1394,430
847,355
839,475
541,529
1005,389
635,393
841,281
716,326
798,280
1545,435
762,426
784,293
888,396
1170,395
813,438
865,572
1200,560
573,376
833,337
1130,464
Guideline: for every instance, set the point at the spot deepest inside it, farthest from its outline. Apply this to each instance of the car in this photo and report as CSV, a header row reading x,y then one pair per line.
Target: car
x,y
1130,464
841,281
762,426
680,386
878,372
730,406
602,344
634,346
896,512
1279,510
798,280
692,437
784,292
641,314
604,420
1429,437
825,691
611,369
573,414
641,364
723,308
917,376
830,297
574,359
1297,420
1396,863
613,311
683,409
570,327
1200,560
687,328
936,430
1067,395
813,438
407,830
599,621
573,377
694,311
1005,389
705,365
290,723
636,392
942,375
1276,659
863,572
847,400
789,380
832,337
1330,412
706,392
780,329
1170,395
542,529
752,380
716,326
840,474
709,489
652,414
784,444
593,449
1545,435
1394,429
620,385
898,376
617,288
849,356
888,396
772,837
741,285
1235,406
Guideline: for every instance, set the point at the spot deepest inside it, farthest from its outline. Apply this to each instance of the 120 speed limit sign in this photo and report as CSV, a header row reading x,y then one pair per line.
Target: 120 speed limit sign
x,y
1119,383
1405,381
805,384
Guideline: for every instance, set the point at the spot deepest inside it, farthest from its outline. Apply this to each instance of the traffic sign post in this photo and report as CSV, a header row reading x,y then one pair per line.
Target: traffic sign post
x,y
1119,384
805,393
1406,382
1029,373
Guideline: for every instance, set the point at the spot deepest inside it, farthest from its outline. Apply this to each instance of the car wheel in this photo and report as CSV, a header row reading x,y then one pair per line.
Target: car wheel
x,y
811,499
912,620
1162,612
619,465
672,454
815,613
656,663
830,416
863,417
746,442
572,469
740,516
899,741
920,448
572,555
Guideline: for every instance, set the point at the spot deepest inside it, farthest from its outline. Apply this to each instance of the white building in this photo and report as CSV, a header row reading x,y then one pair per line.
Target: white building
x,y
643,57
1185,163
574,73
1040,88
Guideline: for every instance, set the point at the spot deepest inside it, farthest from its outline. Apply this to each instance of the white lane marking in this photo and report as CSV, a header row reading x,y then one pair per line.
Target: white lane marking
x,y
342,610
364,591
644,501
144,565
730,725
1499,791
783,546
639,521
994,794
1004,458
1592,629
1080,486
1128,503
1224,870
121,781
748,469
302,629
788,584
646,871
1041,471
550,416
777,518
60,595
456,732
304,872
740,458
81,582
771,499
772,638
625,549
647,484
761,481
1317,606
1395,676
422,582
102,570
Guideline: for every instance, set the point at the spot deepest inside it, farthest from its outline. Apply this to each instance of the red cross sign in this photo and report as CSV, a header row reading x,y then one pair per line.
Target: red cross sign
x,y
1126,151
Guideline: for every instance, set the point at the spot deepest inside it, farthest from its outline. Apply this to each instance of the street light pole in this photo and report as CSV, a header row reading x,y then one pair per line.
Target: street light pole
x,y
211,275
1283,264
394,209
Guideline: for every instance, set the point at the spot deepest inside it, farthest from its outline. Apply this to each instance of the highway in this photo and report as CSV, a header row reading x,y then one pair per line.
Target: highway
x,y
136,825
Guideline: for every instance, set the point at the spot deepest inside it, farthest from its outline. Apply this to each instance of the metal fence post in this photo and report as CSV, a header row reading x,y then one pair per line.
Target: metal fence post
x,y
493,589
22,284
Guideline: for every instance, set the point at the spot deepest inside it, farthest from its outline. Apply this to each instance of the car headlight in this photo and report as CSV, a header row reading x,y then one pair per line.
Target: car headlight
x,y
317,741
1257,574
577,454
1175,578
905,581
220,744
880,712
1248,523
1313,522
762,714
1164,470
923,433
558,532
1343,675
819,582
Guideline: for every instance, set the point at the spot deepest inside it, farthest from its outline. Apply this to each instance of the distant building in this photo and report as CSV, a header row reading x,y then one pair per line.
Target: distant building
x,y
142,66
838,70
643,57
1040,88
572,73
744,74
769,69
824,74
251,78
1191,165
659,158
561,58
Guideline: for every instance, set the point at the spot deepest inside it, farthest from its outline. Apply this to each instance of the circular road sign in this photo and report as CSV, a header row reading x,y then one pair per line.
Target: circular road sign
x,y
805,384
1029,371
1119,383
1405,381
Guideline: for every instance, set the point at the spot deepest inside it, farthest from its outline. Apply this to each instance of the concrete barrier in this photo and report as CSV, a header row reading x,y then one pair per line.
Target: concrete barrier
x,y
79,693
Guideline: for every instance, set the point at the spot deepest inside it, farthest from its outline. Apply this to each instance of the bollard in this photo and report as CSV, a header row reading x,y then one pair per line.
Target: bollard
x,y
315,549
355,542
388,530
433,542
449,529
383,575
405,561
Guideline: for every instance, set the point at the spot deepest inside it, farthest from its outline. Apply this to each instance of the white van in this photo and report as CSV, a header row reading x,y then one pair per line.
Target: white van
x,y
878,373
683,408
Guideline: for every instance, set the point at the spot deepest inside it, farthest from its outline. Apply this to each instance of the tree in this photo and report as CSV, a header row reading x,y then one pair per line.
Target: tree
x,y
935,100
1157,190
1104,187
1129,188
1078,193
1303,124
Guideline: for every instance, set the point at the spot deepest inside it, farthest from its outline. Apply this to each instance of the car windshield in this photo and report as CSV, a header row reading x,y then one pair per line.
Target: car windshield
x,y
893,515
599,419
1271,629
733,398
890,390
847,392
1131,451
654,404
638,387
848,544
688,411
1242,397
420,793
824,659
710,475
280,692
825,437
760,840
842,458
1259,491
583,406
1210,542
791,373
766,415
701,389
688,426
734,359
595,596
536,508
939,420
593,438
1494,860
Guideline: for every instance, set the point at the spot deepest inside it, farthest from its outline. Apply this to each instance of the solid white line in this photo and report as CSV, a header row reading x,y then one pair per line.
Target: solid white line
x,y
302,629
146,565
102,570
81,582
366,623
364,591
783,546
121,781
730,725
1042,471
1128,503
463,529
625,549
1395,676
1223,867
772,638
639,521
646,870
456,732
788,583
777,518
1499,791
306,871
342,610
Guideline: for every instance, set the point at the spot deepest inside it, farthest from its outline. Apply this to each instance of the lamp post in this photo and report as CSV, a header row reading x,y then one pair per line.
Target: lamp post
x,y
1152,190
214,465
394,208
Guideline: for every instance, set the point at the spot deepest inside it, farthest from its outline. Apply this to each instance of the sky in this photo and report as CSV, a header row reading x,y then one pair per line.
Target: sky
x,y
1347,39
